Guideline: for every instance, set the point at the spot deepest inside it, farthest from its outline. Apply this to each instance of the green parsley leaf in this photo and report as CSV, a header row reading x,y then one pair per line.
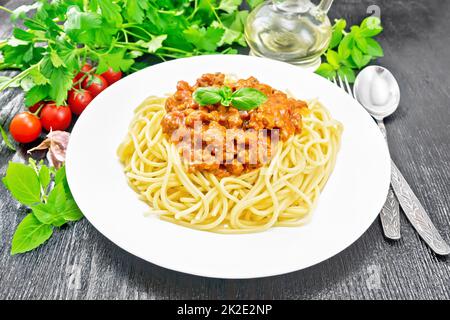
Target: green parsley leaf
x,y
36,94
20,12
235,21
116,60
23,183
30,234
153,45
135,10
6,139
110,11
37,77
254,3
229,5
56,59
204,39
60,84
80,25
23,35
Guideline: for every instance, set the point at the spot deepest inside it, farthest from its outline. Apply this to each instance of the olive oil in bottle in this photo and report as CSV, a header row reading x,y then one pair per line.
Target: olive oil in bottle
x,y
294,31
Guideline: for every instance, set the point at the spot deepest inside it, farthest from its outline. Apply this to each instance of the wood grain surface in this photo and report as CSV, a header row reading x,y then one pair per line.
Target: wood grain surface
x,y
79,263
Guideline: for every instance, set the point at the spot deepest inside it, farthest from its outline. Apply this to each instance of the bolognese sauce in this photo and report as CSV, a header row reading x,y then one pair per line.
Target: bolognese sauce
x,y
235,133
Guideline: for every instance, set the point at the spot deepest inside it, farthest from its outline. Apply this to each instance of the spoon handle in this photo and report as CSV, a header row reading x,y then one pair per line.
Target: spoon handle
x,y
416,214
390,216
390,213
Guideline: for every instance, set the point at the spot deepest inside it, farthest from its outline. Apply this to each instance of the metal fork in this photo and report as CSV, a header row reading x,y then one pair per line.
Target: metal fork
x,y
411,205
390,213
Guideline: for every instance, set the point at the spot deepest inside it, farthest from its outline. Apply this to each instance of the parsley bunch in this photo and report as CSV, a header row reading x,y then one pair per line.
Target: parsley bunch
x,y
46,192
60,36
350,51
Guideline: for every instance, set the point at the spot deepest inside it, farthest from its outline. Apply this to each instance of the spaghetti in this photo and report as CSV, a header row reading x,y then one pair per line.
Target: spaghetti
x,y
283,192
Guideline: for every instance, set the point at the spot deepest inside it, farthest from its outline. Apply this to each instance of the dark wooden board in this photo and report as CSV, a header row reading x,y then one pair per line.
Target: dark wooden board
x,y
79,263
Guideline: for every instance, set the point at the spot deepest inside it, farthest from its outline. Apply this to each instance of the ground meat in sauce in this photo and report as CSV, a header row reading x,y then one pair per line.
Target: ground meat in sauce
x,y
245,150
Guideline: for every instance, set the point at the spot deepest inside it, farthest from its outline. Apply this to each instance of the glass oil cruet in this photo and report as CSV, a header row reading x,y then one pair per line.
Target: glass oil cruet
x,y
294,31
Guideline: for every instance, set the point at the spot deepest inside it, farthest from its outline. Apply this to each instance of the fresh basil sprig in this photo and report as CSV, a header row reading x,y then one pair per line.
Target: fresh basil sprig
x,y
351,51
241,99
51,204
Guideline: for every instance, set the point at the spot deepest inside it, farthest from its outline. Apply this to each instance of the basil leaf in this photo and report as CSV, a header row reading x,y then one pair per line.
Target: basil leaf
x,y
371,26
247,98
207,95
60,175
361,43
333,58
226,94
357,57
23,183
71,211
44,176
47,214
337,34
344,48
57,197
326,70
347,73
374,48
30,234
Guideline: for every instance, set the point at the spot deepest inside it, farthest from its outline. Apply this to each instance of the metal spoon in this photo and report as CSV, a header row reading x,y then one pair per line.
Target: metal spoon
x,y
381,100
364,88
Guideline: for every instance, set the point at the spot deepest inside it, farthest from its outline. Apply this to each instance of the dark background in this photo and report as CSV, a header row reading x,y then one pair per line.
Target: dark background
x,y
79,263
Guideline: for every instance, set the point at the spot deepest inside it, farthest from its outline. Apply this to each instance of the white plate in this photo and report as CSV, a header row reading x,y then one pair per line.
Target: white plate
x,y
348,205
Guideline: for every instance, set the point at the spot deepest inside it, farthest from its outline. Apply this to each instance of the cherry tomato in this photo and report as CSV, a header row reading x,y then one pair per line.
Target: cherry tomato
x,y
55,117
79,100
95,84
36,106
25,127
112,76
85,69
